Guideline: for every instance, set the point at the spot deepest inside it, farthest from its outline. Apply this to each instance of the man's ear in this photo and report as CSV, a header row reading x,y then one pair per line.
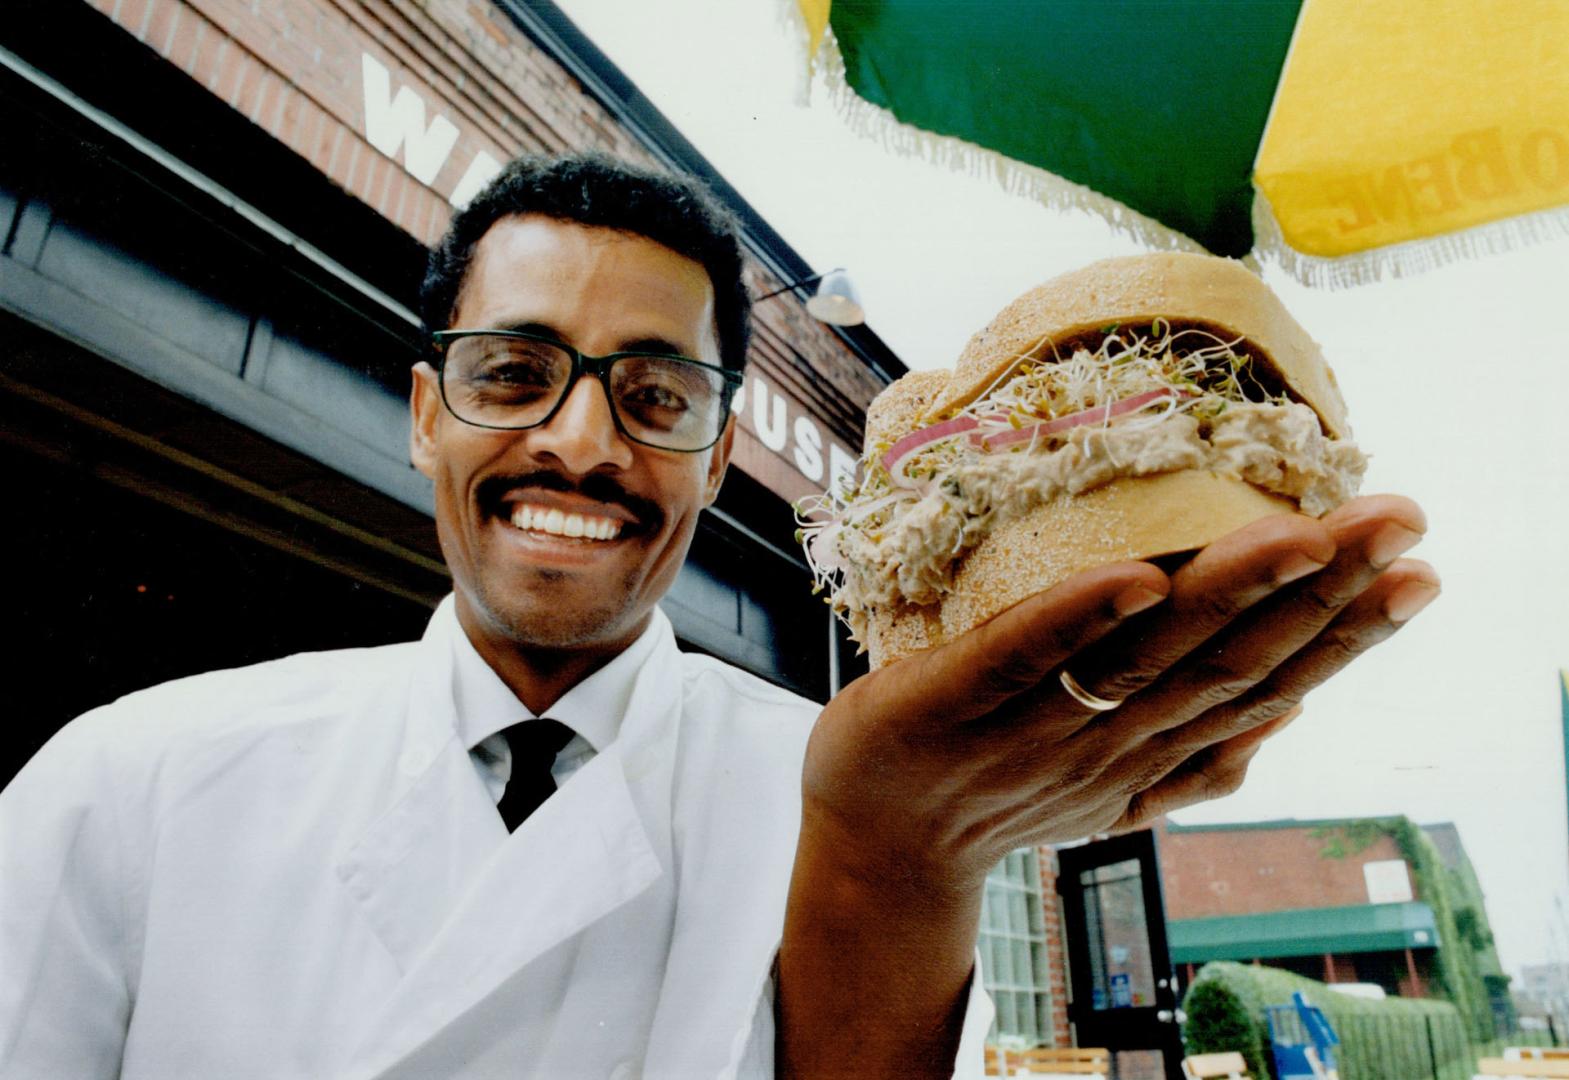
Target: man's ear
x,y
425,409
718,462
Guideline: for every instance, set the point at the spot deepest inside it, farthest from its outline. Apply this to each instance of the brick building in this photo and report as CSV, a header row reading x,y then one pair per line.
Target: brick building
x,y
215,216
1294,895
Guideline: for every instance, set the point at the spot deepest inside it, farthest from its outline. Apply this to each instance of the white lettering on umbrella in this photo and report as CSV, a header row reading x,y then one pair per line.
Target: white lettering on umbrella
x,y
808,449
391,122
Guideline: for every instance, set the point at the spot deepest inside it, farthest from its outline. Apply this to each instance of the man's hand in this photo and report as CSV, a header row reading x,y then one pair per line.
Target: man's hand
x,y
922,775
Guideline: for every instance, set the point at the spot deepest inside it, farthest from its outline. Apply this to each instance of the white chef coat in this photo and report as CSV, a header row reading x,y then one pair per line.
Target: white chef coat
x,y
295,870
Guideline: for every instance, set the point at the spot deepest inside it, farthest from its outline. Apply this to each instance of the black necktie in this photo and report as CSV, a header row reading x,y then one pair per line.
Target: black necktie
x,y
534,744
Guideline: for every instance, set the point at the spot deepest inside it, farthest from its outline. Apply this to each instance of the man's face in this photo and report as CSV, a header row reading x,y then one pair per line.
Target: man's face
x,y
517,583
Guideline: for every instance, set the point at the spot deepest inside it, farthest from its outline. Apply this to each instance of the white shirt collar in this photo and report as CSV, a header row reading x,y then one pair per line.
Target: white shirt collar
x,y
594,708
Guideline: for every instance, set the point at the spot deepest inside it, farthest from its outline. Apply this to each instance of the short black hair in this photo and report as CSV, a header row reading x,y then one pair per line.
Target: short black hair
x,y
599,190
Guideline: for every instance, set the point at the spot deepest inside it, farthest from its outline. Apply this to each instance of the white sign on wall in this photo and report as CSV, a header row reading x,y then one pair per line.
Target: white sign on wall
x,y
1387,881
783,426
396,122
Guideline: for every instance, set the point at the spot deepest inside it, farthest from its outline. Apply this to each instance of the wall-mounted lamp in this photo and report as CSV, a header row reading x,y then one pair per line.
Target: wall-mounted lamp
x,y
835,302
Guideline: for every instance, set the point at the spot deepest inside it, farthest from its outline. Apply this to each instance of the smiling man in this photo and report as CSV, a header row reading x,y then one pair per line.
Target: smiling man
x,y
565,505
544,842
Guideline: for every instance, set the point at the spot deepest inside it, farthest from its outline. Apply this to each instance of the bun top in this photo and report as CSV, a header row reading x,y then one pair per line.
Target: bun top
x,y
903,405
1220,295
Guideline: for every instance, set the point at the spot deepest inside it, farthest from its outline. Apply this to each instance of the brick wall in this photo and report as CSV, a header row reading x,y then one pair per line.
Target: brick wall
x,y
1056,948
296,68
293,67
1246,871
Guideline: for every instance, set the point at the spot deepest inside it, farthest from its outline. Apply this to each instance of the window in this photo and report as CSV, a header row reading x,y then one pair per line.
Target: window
x,y
1014,958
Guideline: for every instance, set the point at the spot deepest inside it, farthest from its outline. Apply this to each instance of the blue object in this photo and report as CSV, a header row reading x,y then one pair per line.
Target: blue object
x,y
1318,1029
1121,991
1296,1029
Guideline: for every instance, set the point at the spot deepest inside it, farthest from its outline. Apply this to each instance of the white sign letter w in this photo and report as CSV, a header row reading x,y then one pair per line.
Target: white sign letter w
x,y
391,122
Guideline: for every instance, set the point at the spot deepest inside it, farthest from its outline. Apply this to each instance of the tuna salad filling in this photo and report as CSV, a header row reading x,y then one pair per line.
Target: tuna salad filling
x,y
1149,400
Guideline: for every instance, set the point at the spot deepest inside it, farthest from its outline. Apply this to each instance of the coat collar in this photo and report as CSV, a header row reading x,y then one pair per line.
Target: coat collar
x,y
593,708
463,906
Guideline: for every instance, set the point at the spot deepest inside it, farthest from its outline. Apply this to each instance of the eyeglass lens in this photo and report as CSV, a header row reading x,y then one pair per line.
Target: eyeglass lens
x,y
510,382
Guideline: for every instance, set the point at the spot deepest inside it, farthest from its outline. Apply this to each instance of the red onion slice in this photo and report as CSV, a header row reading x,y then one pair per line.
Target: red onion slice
x,y
901,450
1098,415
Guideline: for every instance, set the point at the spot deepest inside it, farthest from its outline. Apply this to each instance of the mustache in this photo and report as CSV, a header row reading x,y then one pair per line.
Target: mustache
x,y
597,486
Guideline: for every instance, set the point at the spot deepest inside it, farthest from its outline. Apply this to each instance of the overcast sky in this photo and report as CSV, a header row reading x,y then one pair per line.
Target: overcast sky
x,y
1458,384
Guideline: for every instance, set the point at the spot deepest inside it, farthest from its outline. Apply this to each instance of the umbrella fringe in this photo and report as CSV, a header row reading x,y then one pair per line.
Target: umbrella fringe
x,y
787,14
1015,177
1405,259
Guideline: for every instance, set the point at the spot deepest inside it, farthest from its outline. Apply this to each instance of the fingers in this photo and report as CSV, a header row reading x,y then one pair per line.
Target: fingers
x,y
1214,772
1265,660
1404,589
1395,597
1383,520
1367,537
1207,593
1014,651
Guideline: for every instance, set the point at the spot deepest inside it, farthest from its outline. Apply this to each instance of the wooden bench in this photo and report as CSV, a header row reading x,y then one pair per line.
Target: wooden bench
x,y
1048,1061
1073,1061
1526,1067
1228,1066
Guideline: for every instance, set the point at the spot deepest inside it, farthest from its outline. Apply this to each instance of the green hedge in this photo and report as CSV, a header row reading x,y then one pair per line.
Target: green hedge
x,y
1394,1039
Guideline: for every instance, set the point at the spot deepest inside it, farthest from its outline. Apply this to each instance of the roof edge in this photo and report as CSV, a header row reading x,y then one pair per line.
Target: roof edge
x,y
1277,823
552,30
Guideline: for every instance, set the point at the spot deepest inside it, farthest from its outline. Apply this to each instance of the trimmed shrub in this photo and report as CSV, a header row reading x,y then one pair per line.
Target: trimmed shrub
x,y
1218,1022
1395,1039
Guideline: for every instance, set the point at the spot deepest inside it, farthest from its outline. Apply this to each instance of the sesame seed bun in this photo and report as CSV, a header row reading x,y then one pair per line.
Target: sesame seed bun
x,y
1129,518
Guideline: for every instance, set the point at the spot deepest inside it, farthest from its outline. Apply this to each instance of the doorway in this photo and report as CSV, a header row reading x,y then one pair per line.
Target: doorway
x,y
1123,988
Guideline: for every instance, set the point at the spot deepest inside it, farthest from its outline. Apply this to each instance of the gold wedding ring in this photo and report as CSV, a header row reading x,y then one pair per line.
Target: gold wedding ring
x,y
1083,696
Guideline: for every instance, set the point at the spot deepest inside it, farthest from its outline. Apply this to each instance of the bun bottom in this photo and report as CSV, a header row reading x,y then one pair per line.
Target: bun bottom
x,y
1137,517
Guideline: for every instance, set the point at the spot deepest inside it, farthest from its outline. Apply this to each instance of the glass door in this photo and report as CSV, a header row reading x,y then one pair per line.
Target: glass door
x,y
1122,985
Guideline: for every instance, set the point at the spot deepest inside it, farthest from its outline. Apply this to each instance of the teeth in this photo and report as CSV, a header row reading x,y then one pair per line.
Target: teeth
x,y
557,523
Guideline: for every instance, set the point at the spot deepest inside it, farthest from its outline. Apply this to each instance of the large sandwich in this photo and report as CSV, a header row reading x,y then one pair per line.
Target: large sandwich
x,y
1136,408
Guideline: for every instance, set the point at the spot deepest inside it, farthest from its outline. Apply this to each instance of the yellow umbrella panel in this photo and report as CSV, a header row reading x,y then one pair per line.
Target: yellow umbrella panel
x,y
1408,120
1348,138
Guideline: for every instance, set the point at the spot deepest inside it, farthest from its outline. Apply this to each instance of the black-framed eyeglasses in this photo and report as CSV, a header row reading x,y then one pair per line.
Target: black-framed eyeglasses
x,y
510,380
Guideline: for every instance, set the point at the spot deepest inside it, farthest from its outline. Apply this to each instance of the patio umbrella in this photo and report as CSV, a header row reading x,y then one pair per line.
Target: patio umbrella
x,y
1349,139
